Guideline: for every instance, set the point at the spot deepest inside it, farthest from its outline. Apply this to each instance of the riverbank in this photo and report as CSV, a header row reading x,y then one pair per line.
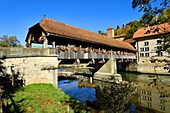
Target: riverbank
x,y
43,98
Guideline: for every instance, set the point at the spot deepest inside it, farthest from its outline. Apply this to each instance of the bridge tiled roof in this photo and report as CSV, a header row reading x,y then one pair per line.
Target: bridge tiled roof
x,y
61,29
152,31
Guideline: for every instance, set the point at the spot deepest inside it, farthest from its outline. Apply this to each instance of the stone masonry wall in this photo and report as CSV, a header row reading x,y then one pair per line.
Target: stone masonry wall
x,y
152,68
30,68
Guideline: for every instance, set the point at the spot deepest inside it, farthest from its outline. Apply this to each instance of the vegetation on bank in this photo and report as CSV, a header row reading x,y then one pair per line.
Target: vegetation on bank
x,y
43,98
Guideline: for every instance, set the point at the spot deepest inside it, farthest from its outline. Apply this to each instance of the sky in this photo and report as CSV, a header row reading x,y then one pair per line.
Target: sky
x,y
17,16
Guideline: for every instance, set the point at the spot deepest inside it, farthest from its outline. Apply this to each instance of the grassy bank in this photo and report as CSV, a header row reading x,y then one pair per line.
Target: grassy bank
x,y
43,98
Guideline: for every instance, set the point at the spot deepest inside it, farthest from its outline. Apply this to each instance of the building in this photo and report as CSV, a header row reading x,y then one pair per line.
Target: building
x,y
131,41
149,45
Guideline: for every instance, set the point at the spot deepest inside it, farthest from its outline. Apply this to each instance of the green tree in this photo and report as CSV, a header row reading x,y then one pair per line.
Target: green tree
x,y
165,16
11,41
117,27
134,26
101,32
153,7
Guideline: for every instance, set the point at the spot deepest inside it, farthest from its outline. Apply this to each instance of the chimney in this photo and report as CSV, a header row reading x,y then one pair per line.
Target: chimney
x,y
110,32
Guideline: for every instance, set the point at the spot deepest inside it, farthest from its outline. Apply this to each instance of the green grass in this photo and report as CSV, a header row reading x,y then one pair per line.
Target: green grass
x,y
43,98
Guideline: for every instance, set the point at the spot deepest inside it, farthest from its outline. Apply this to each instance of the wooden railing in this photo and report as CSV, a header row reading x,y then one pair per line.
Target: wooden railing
x,y
81,54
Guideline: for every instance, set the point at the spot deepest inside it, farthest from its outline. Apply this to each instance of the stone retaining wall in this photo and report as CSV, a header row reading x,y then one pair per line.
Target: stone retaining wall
x,y
31,69
22,52
152,68
33,65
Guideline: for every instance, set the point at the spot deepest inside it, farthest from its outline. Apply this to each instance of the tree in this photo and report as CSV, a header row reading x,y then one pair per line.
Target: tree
x,y
151,8
117,27
11,41
165,16
101,32
134,26
120,31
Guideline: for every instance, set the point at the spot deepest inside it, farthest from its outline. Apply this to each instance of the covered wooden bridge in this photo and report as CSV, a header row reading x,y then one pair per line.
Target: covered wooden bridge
x,y
70,42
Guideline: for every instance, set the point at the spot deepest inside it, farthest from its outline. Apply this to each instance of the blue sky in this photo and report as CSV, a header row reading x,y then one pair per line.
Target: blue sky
x,y
18,15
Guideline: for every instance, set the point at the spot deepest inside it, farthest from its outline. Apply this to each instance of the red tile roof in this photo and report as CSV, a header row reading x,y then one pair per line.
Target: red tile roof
x,y
58,28
152,30
130,40
119,36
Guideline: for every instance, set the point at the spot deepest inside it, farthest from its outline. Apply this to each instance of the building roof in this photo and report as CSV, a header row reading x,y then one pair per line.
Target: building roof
x,y
152,30
119,36
130,40
61,29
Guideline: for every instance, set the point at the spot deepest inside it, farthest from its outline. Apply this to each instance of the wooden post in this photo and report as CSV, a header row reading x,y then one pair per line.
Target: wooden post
x,y
13,79
55,78
13,74
28,44
1,100
53,46
45,44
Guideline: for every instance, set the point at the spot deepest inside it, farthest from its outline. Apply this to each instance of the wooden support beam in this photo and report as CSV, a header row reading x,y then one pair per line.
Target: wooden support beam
x,y
28,43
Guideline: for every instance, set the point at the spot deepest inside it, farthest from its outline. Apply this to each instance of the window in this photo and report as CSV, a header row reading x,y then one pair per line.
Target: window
x,y
143,91
162,101
161,95
159,48
162,107
156,30
141,54
146,54
158,42
160,53
149,104
149,98
146,43
141,49
146,48
143,97
148,92
148,32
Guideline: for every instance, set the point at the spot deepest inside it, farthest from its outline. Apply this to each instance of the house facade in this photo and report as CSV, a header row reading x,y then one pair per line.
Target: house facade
x,y
149,47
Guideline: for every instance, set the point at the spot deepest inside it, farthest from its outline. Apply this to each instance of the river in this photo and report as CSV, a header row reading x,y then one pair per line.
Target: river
x,y
138,93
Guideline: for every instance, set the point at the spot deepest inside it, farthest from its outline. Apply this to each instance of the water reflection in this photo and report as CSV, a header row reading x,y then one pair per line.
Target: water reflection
x,y
80,93
153,92
112,97
142,93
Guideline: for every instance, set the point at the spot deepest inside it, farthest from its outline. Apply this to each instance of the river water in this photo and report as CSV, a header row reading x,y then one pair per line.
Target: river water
x,y
139,93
